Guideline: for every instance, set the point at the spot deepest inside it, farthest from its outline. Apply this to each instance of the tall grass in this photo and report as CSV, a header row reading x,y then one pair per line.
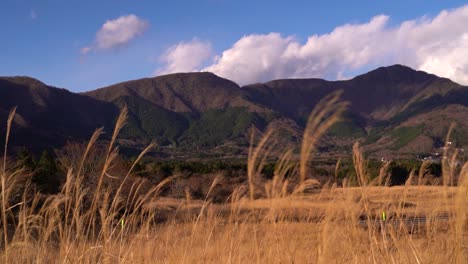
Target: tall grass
x,y
103,217
4,182
325,114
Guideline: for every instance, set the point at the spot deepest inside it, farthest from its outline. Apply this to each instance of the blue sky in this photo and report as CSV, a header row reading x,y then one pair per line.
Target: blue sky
x,y
65,44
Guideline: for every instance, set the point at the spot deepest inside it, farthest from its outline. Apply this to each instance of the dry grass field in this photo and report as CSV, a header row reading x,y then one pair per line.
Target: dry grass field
x,y
117,219
316,228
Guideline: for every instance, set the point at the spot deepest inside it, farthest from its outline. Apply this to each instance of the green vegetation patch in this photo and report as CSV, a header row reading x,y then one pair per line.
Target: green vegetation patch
x,y
418,107
374,135
346,129
215,125
404,135
152,122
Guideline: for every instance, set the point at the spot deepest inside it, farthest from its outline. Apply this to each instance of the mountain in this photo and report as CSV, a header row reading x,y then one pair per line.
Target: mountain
x,y
188,109
47,116
180,92
379,95
394,111
384,104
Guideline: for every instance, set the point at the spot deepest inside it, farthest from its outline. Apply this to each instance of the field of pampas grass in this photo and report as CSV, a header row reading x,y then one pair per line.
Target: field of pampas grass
x,y
288,219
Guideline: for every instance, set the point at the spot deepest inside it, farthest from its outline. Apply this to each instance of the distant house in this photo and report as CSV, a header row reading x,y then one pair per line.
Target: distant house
x,y
445,152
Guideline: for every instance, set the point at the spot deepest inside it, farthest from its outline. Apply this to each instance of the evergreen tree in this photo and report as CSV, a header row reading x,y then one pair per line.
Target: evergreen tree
x,y
46,175
25,159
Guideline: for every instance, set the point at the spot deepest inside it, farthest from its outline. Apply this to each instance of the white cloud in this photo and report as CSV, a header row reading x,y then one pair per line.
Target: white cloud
x,y
117,33
438,45
185,57
253,58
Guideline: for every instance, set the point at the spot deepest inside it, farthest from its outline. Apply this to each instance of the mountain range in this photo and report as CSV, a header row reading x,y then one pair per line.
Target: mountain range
x,y
394,111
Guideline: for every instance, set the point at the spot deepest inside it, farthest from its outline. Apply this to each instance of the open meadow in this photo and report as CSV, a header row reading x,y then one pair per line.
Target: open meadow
x,y
99,217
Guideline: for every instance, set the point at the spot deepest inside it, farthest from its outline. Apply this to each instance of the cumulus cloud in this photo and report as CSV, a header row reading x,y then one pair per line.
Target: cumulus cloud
x,y
117,33
185,57
438,45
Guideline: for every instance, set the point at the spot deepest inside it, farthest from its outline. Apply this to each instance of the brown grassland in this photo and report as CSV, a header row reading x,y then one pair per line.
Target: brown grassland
x,y
289,219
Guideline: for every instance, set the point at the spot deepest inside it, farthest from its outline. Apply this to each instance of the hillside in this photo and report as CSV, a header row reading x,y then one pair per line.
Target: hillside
x,y
180,92
192,110
47,116
382,103
393,111
379,95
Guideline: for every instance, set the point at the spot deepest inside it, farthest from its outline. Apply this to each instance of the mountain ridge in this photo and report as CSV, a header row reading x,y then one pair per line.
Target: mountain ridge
x,y
203,112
